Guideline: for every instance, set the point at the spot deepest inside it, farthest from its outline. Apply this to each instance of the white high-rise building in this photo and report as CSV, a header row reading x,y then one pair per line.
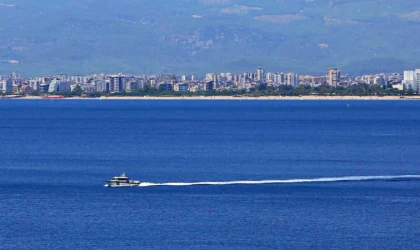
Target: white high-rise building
x,y
411,79
209,76
260,76
229,77
292,79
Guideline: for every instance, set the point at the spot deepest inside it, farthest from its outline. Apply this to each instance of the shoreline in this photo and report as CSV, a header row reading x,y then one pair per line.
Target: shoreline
x,y
242,98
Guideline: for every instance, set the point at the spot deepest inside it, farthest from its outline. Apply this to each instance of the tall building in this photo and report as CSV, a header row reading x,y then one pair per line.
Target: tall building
x,y
333,77
209,76
116,84
54,86
279,78
229,77
237,79
103,86
411,79
292,79
260,75
34,84
209,86
8,86
213,77
43,88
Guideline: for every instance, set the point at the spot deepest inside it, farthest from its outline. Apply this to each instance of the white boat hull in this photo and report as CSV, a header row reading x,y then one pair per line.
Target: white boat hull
x,y
119,185
122,181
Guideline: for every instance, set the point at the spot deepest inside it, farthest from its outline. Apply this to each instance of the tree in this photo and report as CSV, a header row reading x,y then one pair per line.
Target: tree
x,y
409,92
376,89
77,91
262,86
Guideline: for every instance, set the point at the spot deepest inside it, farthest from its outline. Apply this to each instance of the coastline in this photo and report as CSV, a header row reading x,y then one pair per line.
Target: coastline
x,y
242,98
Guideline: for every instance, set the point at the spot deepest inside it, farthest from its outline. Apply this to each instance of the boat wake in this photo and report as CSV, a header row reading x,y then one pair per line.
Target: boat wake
x,y
261,182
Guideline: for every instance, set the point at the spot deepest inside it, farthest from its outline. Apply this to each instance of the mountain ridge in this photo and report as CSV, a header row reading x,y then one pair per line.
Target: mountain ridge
x,y
199,36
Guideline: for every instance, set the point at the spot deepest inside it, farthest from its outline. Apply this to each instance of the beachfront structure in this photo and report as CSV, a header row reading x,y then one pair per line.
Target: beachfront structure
x,y
87,88
59,86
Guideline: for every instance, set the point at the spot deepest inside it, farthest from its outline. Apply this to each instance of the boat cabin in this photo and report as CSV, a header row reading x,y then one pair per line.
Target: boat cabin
x,y
122,178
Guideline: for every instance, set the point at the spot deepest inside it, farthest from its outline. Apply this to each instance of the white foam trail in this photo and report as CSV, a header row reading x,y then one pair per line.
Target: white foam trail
x,y
330,179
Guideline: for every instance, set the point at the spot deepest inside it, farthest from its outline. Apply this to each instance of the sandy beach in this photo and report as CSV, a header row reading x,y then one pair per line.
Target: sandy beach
x,y
301,98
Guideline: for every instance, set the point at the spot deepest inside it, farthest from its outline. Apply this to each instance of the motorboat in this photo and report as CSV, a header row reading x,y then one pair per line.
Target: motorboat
x,y
122,181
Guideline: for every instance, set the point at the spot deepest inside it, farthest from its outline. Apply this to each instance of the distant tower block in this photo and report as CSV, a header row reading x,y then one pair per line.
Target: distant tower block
x,y
193,77
411,79
209,86
183,78
333,77
292,79
260,75
215,80
8,86
116,84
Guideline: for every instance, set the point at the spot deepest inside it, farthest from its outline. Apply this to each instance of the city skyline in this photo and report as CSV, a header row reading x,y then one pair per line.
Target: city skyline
x,y
121,83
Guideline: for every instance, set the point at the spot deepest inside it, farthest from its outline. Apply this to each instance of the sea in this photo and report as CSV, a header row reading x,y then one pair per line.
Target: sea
x,y
215,174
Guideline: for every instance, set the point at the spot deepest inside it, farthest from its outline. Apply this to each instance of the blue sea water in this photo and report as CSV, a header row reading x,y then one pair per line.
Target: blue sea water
x,y
57,154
